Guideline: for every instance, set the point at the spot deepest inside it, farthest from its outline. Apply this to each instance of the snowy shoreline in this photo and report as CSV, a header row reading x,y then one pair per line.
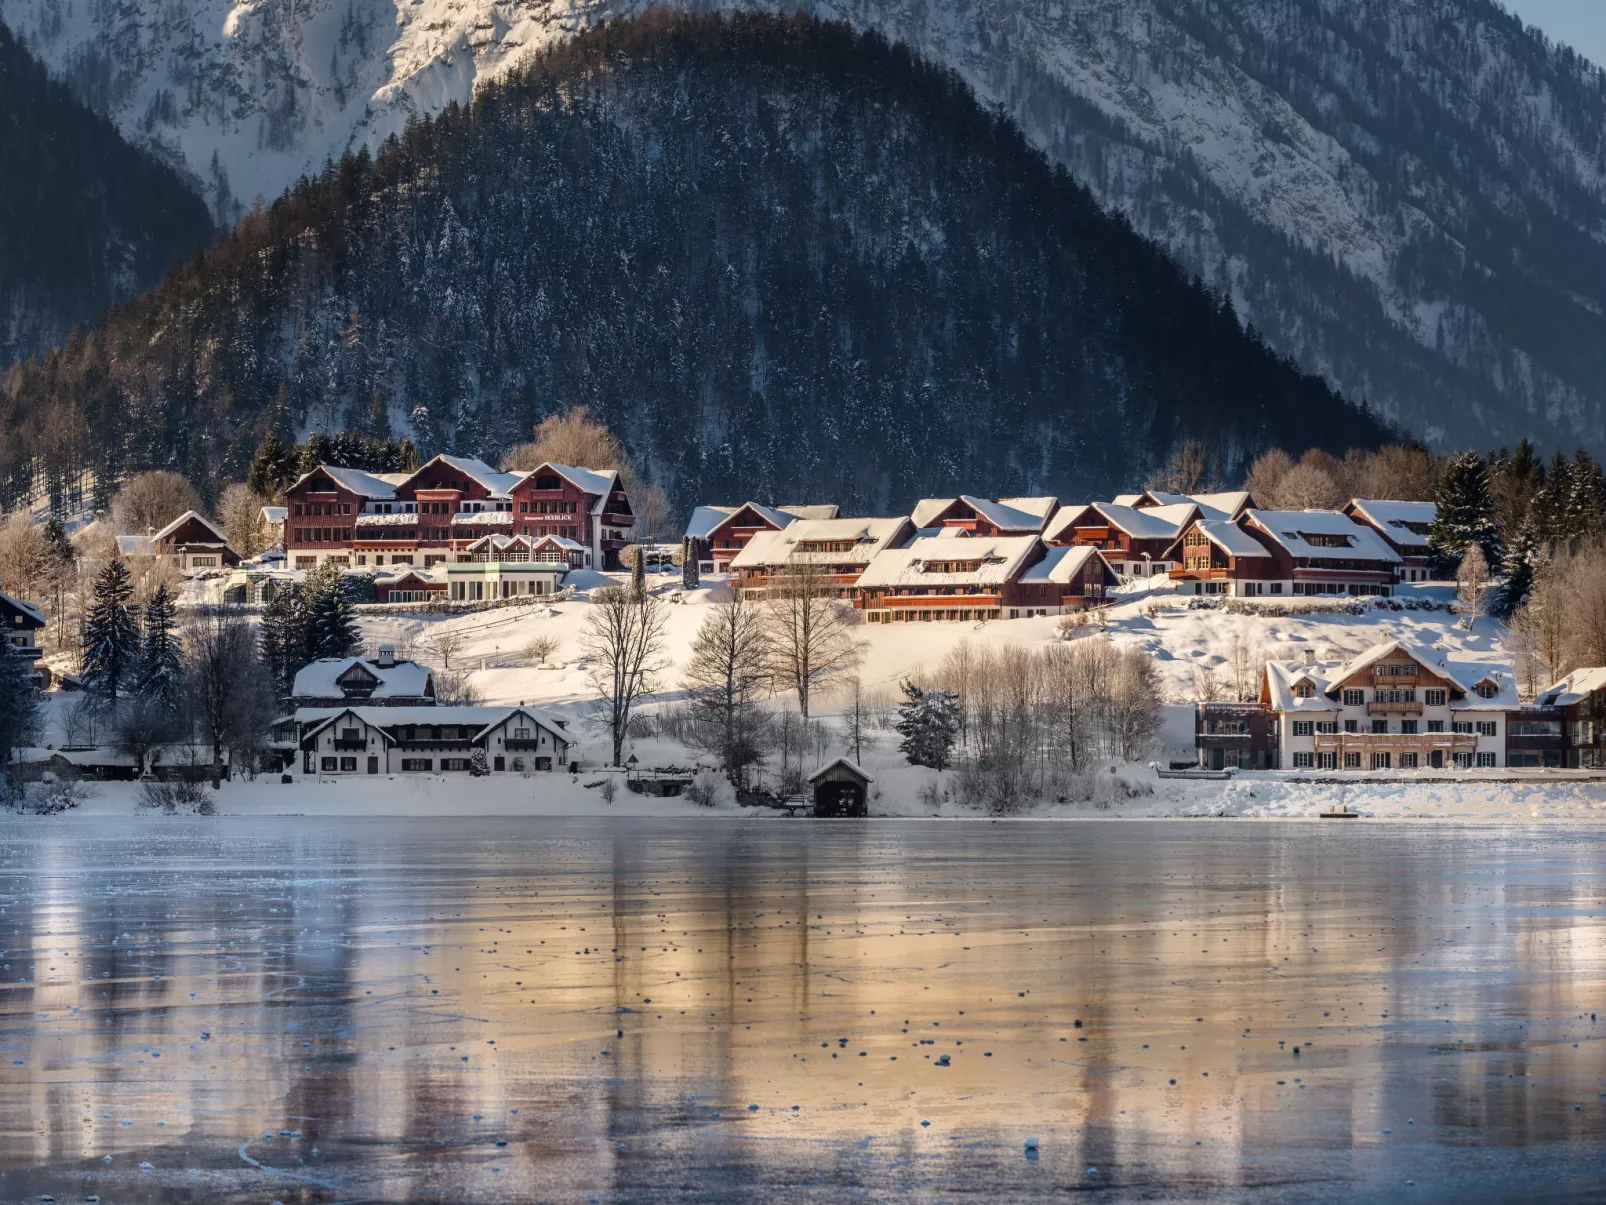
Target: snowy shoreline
x,y
1139,795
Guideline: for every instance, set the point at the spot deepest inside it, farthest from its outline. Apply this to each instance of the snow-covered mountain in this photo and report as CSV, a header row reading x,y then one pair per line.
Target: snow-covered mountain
x,y
1407,195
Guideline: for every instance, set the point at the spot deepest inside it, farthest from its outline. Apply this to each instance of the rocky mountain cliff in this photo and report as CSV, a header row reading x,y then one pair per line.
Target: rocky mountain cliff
x,y
779,259
1408,196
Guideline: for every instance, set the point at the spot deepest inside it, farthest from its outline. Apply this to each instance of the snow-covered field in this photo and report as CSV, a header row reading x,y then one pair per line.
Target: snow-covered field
x,y
490,646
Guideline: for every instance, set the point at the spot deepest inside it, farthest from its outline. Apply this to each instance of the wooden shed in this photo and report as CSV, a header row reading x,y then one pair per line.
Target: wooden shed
x,y
840,789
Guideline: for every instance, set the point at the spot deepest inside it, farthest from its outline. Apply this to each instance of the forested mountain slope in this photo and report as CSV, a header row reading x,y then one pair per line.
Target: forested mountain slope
x,y
1407,195
779,259
85,219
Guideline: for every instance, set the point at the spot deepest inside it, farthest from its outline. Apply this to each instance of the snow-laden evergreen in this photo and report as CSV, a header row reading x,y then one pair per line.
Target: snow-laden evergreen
x,y
928,722
111,649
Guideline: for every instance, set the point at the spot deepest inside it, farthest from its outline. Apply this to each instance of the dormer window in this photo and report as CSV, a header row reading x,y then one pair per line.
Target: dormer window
x,y
1303,689
1486,689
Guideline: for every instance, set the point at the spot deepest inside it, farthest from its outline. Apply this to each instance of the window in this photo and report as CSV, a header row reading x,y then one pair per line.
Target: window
x,y
1352,761
328,764
203,562
350,735
1463,760
521,734
1486,690
348,764
1486,727
454,763
1327,761
416,764
1303,728
1305,690
1462,726
1303,761
1352,725
1408,727
1435,725
1327,727
1408,761
1485,760
1381,727
1433,698
1380,761
1354,698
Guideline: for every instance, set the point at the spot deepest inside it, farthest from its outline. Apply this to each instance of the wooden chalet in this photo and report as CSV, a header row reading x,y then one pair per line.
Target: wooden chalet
x,y
718,533
960,578
410,586
24,622
1135,541
1404,527
190,542
1227,505
1282,553
833,553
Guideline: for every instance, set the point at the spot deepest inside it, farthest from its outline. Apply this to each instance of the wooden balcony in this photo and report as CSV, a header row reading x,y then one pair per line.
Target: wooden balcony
x,y
1424,742
1375,708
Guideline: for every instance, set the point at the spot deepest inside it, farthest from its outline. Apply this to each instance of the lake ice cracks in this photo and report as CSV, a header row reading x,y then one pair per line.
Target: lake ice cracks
x,y
692,1010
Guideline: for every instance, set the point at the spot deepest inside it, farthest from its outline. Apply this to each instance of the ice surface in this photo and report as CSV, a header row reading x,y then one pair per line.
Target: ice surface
x,y
332,1010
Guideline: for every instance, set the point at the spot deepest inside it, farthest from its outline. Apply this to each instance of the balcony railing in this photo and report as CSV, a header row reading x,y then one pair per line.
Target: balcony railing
x,y
1376,708
349,746
1328,742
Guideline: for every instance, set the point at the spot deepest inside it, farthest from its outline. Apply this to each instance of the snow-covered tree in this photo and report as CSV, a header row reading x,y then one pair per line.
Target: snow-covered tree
x,y
111,636
688,564
161,672
282,642
1465,513
928,721
19,709
1522,554
331,620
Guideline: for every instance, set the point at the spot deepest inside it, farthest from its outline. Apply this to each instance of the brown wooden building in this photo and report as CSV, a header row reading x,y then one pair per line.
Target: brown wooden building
x,y
1135,541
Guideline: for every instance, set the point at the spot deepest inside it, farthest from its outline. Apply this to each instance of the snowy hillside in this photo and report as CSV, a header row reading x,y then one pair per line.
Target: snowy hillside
x,y
1409,196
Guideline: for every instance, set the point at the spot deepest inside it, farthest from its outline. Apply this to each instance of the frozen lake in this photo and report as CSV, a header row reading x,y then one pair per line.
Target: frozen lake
x,y
513,1011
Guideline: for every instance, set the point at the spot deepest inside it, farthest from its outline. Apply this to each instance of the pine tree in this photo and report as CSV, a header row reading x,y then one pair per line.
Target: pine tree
x,y
161,675
1586,498
111,637
928,721
19,704
61,547
1522,557
331,620
283,640
272,468
1465,513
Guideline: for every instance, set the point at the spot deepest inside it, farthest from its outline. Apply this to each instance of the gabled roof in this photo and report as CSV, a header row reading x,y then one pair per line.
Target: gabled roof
x,y
1574,688
481,719
1394,517
1229,537
378,486
539,718
851,767
869,537
1283,676
191,516
28,610
1148,523
997,559
600,482
927,510
1041,507
812,510
1062,563
404,679
705,518
274,514
1003,516
1287,529
1227,505
497,483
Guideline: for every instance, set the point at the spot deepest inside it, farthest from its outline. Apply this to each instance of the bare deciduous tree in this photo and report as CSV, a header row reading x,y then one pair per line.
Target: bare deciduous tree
x,y
811,631
1187,471
725,678
445,645
230,696
573,438
541,648
1472,585
240,511
624,640
150,501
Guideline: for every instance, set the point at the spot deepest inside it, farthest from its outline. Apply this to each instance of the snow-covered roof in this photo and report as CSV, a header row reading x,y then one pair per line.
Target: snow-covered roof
x,y
1003,516
1148,523
1283,676
927,509
366,485
1041,507
1574,688
136,545
1127,499
187,517
1221,506
1231,539
1062,564
869,537
851,767
592,481
988,561
397,519
27,608
1499,674
1396,518
501,542
404,679
812,510
1288,528
481,719
705,518
497,483
274,514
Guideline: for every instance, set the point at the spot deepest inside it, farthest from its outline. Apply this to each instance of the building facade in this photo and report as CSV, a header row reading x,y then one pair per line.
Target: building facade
x,y
359,741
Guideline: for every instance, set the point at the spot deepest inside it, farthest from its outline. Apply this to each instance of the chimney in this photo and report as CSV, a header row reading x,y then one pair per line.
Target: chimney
x,y
1310,658
387,656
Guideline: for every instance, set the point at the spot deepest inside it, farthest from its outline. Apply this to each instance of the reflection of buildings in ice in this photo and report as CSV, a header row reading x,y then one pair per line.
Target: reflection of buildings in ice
x,y
378,991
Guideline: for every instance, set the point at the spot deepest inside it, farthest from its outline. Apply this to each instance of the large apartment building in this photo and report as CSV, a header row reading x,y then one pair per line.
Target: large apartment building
x,y
441,510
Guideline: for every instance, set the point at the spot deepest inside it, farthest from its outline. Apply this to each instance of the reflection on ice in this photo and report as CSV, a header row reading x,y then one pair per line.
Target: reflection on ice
x,y
512,1011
